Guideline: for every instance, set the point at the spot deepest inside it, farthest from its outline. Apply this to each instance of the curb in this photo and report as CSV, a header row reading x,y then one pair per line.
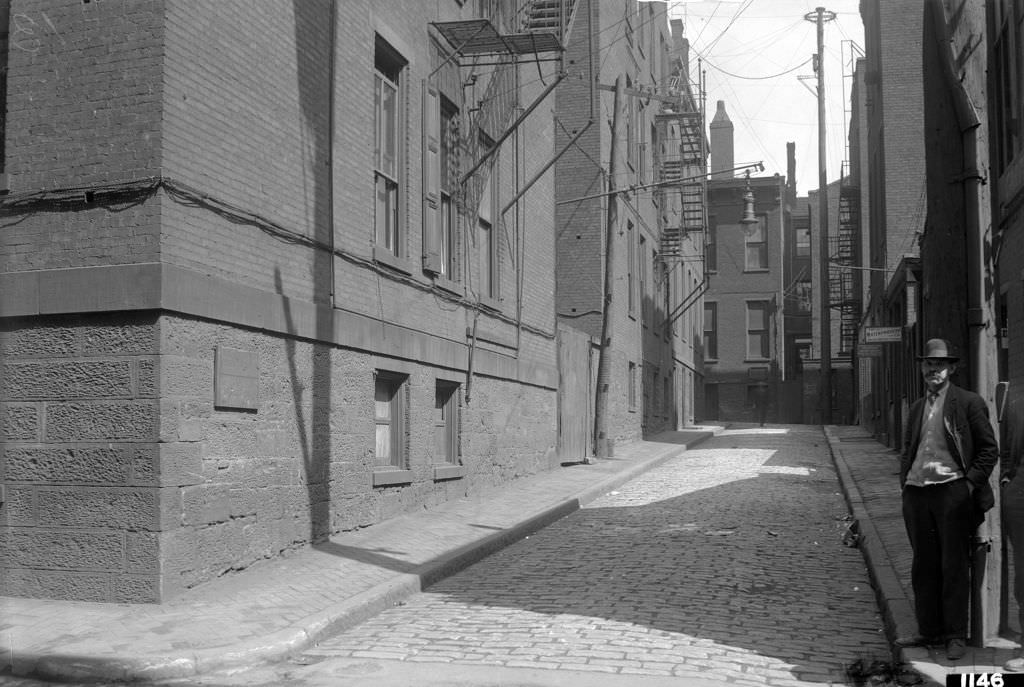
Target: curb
x,y
892,600
897,611
343,615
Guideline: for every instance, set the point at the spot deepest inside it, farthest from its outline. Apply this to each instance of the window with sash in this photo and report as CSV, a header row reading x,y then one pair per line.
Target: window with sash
x,y
391,415
447,408
757,330
388,107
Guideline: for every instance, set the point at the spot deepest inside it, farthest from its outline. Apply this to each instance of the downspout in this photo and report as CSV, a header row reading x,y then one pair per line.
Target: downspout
x,y
331,107
986,557
972,180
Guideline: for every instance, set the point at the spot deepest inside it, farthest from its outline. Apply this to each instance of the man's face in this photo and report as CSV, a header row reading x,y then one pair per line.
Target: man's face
x,y
936,372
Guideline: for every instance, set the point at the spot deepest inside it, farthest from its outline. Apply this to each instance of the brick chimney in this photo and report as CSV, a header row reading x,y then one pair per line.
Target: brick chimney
x,y
722,158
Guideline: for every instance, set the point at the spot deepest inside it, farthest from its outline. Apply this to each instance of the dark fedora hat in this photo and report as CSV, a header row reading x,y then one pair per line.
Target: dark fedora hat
x,y
939,349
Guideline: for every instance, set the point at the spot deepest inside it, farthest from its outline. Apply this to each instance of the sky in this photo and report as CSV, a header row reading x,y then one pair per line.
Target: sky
x,y
753,52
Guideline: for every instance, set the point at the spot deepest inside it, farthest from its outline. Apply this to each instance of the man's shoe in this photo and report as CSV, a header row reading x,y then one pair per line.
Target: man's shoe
x,y
955,649
1014,665
916,640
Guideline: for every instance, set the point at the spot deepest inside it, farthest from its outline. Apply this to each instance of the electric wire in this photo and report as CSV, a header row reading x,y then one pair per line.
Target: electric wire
x,y
117,196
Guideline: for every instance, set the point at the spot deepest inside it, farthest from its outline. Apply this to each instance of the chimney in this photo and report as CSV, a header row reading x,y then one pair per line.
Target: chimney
x,y
791,167
681,47
722,158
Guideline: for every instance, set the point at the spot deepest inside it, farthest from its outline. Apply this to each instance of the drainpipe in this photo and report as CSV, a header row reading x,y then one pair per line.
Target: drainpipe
x,y
987,561
331,114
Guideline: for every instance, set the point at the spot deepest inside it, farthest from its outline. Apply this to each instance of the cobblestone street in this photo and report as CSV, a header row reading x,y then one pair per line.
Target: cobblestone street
x,y
726,563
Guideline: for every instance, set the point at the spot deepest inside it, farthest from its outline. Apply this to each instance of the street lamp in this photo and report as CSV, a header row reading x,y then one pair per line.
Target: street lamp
x,y
748,220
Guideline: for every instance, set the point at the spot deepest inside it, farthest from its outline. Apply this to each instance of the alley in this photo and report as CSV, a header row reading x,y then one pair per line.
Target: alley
x,y
726,563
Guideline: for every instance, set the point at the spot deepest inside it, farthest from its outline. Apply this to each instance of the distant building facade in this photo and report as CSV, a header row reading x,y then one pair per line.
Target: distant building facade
x,y
744,322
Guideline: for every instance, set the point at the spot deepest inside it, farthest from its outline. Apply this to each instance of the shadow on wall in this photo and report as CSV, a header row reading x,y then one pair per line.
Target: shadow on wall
x,y
314,45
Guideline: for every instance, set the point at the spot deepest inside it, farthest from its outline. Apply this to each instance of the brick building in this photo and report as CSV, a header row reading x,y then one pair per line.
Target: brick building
x,y
744,322
1006,140
655,213
266,276
895,185
945,241
844,303
1005,89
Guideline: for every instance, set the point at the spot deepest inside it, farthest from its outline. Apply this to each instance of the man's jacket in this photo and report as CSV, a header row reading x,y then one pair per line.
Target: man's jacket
x,y
969,437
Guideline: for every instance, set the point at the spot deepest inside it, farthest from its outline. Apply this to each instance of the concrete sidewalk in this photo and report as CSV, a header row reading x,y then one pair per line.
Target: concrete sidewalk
x,y
276,608
869,474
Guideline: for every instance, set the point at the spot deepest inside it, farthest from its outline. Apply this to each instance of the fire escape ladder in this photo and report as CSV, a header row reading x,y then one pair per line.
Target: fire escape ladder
x,y
679,168
489,50
843,291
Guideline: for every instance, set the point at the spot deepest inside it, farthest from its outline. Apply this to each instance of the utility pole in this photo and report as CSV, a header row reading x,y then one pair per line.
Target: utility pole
x,y
602,444
820,16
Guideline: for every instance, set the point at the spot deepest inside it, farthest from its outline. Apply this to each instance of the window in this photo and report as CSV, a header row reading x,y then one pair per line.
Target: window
x,y
711,331
644,304
802,293
666,298
387,100
391,409
440,177
632,386
449,180
1005,129
711,257
802,229
447,405
755,246
488,245
631,267
757,330
666,387
630,128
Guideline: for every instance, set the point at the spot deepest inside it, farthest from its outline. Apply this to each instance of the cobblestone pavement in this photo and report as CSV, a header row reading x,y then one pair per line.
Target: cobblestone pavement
x,y
727,562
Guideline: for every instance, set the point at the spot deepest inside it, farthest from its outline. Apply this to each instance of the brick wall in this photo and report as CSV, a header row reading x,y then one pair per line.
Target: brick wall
x,y
902,97
83,109
580,226
115,412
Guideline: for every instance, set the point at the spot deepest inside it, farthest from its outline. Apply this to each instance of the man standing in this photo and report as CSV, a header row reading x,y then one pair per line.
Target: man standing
x,y
949,451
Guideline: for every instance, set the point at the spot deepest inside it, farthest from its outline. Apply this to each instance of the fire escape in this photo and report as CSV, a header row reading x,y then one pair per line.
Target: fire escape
x,y
680,164
844,291
488,51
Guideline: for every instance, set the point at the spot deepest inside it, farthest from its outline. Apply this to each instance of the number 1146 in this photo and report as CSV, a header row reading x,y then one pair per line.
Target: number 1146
x,y
985,680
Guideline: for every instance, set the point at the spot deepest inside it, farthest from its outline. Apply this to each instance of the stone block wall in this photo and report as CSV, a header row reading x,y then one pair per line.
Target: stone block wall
x,y
300,465
80,459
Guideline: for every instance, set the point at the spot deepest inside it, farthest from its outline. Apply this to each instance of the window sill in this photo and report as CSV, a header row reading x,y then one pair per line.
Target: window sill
x,y
449,285
385,477
756,270
443,472
389,259
711,361
491,302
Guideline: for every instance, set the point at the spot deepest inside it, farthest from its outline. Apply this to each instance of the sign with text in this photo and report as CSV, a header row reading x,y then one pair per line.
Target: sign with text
x,y
883,334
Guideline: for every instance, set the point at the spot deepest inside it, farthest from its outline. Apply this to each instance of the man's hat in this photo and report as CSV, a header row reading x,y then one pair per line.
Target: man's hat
x,y
939,349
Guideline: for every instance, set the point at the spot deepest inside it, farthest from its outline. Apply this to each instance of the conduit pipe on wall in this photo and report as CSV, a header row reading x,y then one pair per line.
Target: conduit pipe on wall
x,y
970,177
987,558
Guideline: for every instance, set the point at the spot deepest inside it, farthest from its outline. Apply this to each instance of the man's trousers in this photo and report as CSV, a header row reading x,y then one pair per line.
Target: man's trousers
x,y
940,524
